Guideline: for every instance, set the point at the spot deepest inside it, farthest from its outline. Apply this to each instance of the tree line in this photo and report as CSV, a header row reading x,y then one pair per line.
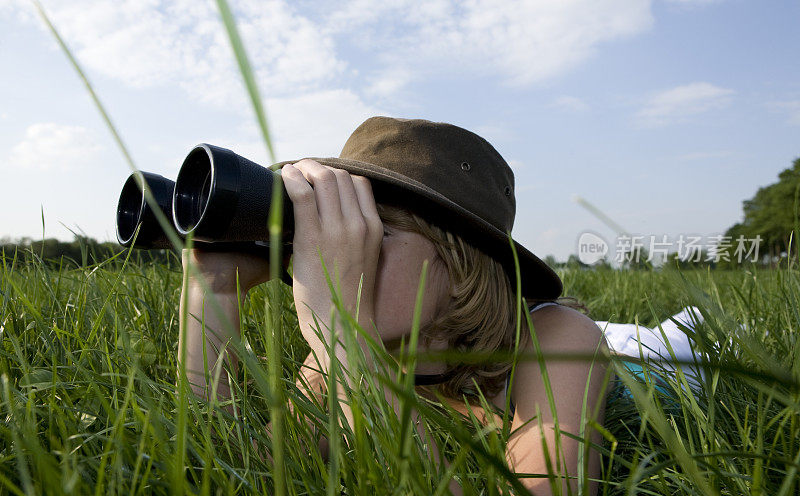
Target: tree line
x,y
773,214
83,251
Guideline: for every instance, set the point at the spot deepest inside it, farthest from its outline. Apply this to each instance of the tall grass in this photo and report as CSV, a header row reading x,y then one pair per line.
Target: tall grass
x,y
89,404
89,401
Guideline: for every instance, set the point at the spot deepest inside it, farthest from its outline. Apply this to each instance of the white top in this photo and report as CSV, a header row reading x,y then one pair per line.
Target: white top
x,y
654,344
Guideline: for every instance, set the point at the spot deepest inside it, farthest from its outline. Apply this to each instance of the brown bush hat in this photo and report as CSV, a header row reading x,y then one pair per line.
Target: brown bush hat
x,y
451,177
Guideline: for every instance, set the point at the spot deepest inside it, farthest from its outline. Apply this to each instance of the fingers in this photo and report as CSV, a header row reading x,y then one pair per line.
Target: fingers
x,y
302,195
334,198
325,185
366,202
358,208
347,195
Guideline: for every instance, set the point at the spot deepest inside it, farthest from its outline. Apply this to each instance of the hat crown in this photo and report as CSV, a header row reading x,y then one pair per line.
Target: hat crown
x,y
452,161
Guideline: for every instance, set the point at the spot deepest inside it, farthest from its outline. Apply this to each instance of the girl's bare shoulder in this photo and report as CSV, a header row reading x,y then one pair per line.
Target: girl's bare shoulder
x,y
560,328
571,343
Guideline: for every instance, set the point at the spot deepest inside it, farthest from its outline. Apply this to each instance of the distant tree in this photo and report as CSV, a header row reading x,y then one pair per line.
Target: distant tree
x,y
80,252
603,263
574,262
772,214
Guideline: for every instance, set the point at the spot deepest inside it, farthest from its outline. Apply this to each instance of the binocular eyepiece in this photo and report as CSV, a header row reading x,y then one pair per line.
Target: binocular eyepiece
x,y
218,197
133,210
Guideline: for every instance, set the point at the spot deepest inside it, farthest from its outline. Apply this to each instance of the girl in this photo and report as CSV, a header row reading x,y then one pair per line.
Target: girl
x,y
446,196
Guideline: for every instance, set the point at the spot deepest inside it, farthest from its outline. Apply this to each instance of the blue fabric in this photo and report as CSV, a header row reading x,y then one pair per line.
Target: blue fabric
x,y
620,391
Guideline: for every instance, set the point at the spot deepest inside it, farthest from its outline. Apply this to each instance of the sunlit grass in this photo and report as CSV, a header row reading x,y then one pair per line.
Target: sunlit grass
x,y
90,404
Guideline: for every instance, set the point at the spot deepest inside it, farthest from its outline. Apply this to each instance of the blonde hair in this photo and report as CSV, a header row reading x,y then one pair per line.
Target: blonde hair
x,y
482,314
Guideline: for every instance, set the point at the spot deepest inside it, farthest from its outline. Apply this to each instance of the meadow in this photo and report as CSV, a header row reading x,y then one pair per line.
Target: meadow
x,y
90,403
92,399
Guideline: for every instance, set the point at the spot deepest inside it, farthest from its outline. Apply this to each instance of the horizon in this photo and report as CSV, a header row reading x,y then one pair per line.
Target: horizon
x,y
665,115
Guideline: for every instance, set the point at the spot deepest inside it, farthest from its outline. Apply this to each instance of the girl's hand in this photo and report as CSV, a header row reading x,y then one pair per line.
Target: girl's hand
x,y
220,269
336,220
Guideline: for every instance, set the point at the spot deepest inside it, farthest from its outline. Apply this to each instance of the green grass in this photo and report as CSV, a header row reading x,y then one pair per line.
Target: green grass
x,y
92,400
89,404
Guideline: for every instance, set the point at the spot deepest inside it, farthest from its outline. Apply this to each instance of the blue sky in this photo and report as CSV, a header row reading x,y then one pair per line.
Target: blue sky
x,y
664,114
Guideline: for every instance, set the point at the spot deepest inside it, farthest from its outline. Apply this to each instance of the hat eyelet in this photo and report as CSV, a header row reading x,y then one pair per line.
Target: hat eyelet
x,y
465,166
507,191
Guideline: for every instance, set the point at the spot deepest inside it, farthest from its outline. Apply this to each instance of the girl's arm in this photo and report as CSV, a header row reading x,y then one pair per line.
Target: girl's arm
x,y
559,330
336,222
210,298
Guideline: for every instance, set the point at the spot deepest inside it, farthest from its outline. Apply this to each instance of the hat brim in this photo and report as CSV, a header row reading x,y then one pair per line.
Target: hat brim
x,y
538,280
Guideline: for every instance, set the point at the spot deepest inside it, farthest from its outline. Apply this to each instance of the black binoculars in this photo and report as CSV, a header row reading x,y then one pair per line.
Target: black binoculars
x,y
219,197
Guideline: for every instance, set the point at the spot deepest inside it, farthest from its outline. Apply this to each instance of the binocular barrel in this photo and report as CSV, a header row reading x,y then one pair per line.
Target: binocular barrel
x,y
221,196
133,210
218,197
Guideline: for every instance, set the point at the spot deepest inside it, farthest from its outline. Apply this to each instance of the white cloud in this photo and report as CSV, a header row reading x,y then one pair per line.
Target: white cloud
x,y
789,107
523,42
676,104
388,82
317,124
18,9
48,146
183,43
311,125
293,45
570,103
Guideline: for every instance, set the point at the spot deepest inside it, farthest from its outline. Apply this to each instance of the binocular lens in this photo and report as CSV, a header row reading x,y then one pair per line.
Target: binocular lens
x,y
193,190
129,210
205,193
133,210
